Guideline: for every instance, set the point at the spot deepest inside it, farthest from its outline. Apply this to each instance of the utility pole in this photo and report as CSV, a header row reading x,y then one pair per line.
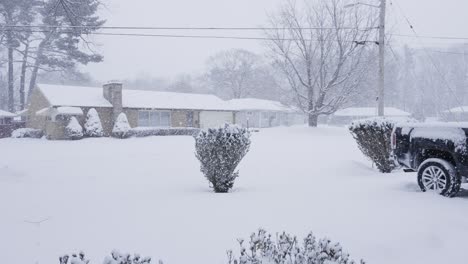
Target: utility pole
x,y
381,42
381,94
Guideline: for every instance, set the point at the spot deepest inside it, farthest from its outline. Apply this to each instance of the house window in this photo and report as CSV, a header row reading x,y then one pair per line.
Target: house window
x,y
154,118
143,118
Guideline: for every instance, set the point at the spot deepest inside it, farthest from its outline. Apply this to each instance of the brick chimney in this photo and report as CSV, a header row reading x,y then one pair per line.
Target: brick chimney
x,y
113,93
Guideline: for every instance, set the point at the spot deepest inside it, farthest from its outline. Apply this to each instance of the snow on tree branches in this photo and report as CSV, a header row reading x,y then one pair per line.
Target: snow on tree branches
x,y
74,259
219,151
74,130
287,249
118,258
122,127
93,126
115,258
373,137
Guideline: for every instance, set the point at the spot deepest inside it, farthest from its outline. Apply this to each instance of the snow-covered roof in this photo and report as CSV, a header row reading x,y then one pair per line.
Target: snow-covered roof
x,y
6,114
459,109
69,110
60,95
62,110
370,111
170,100
22,112
258,104
63,95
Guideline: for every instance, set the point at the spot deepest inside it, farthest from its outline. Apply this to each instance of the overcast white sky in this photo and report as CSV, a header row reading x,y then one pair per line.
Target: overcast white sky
x,y
128,57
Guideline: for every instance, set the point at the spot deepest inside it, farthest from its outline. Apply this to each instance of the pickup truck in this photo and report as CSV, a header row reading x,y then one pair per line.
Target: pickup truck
x,y
437,152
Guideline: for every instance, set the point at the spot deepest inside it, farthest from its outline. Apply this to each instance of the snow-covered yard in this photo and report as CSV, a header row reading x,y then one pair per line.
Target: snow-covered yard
x,y
147,195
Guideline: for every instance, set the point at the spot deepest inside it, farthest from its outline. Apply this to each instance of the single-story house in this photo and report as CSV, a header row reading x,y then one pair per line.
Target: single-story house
x,y
347,115
259,113
455,114
51,106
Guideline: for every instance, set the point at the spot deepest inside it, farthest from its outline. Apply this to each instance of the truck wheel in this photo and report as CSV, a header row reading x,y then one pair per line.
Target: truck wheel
x,y
439,176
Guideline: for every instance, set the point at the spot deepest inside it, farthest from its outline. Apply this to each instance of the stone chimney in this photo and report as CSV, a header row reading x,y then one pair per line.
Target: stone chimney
x,y
113,93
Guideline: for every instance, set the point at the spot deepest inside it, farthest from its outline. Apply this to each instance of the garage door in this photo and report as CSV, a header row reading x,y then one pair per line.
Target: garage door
x,y
210,119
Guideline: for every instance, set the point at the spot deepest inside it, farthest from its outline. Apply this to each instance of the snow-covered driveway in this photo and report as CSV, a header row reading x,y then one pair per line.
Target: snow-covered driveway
x,y
147,195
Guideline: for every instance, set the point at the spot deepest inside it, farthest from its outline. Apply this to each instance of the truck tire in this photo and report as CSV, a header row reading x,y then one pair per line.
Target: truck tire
x,y
440,176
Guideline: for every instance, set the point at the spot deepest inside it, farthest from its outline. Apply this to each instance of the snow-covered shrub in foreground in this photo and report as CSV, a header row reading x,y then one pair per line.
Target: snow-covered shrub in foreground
x,y
373,137
114,258
73,130
163,131
93,125
74,259
121,127
287,249
27,133
219,151
118,258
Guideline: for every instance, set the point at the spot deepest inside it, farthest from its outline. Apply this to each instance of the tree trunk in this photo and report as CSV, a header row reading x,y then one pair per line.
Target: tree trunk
x,y
23,77
313,120
37,63
11,87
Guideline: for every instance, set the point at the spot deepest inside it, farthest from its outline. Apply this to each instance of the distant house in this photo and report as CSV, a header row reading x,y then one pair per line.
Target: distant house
x,y
6,117
347,115
259,113
6,123
455,114
51,106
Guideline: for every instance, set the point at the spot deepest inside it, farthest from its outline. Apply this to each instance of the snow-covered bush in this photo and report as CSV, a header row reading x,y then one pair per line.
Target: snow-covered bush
x,y
118,258
73,130
219,151
74,259
287,249
27,133
121,127
165,131
373,137
93,126
115,258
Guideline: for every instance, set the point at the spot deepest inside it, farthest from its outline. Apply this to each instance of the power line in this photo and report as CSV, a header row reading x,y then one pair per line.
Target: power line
x,y
447,52
223,28
430,37
184,28
357,42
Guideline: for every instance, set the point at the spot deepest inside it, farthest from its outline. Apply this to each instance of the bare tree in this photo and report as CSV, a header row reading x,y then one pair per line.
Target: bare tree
x,y
319,47
232,73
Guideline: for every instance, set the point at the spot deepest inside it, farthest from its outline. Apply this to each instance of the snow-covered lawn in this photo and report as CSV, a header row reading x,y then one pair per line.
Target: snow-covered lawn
x,y
147,195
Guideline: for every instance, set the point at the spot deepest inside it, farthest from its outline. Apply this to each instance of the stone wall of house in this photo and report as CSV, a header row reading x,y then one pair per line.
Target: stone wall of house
x,y
132,116
106,116
37,101
55,129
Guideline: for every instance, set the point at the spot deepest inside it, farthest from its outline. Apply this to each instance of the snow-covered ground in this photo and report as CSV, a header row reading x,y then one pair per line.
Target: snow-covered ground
x,y
147,195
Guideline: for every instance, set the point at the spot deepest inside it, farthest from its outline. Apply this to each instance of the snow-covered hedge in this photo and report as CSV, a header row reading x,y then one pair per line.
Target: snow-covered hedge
x,y
121,127
219,151
285,249
373,137
169,131
74,130
93,125
74,259
114,258
27,133
118,258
